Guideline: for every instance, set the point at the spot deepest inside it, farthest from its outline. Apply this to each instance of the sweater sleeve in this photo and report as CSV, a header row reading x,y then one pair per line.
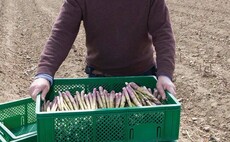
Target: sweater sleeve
x,y
160,28
63,34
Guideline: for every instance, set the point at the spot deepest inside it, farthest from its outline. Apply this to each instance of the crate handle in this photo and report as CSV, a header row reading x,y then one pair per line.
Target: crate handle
x,y
158,132
22,120
131,133
1,133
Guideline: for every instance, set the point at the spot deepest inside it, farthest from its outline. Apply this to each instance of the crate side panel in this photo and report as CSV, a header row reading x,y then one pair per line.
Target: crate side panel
x,y
73,129
110,127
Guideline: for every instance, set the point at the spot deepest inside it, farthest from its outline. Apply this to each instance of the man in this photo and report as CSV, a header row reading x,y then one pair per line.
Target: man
x,y
120,36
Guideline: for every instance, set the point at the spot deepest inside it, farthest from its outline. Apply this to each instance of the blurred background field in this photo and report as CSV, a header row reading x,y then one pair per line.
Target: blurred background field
x,y
202,59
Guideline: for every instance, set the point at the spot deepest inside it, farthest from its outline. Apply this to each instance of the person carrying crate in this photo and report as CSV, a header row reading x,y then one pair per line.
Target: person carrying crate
x,y
121,39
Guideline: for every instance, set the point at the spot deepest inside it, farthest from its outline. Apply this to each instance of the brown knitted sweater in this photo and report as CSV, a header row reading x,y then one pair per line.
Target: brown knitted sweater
x,y
120,36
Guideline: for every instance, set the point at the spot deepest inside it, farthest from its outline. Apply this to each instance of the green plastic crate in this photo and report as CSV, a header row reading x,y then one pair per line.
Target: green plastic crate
x,y
129,124
18,121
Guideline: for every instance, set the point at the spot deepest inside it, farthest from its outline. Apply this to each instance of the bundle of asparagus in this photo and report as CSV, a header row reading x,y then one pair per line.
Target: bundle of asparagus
x,y
132,95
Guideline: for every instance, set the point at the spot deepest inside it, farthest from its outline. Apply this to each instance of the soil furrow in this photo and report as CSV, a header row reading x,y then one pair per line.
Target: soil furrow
x,y
196,7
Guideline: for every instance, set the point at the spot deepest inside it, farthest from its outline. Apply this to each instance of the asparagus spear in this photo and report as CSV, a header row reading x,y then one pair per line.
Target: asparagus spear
x,y
111,98
82,99
133,96
76,101
65,106
123,100
145,92
94,101
106,95
149,103
86,98
143,102
127,96
45,105
68,94
54,105
42,107
90,96
100,105
78,97
49,106
135,93
66,98
150,90
133,105
117,99
146,100
61,101
101,90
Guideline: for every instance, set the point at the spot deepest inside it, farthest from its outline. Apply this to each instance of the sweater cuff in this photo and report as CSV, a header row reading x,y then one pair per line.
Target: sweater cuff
x,y
45,76
164,74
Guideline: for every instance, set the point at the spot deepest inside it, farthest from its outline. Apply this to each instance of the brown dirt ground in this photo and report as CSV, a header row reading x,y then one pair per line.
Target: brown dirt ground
x,y
202,63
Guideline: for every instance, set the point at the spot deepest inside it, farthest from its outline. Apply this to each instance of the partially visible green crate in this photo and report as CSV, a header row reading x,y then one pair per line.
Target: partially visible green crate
x,y
18,121
130,124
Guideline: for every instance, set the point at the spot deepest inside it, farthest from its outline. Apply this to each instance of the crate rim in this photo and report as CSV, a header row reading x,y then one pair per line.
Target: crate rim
x,y
96,78
24,138
27,99
12,135
2,139
98,111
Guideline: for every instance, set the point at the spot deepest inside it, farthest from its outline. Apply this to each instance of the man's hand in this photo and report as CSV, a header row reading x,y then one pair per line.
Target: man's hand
x,y
164,83
39,85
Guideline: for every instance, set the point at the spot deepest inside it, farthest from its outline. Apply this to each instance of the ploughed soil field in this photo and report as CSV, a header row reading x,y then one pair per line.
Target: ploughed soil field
x,y
202,74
